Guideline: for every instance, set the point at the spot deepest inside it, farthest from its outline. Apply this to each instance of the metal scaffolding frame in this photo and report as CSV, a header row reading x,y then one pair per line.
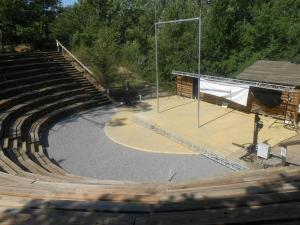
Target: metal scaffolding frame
x,y
157,24
277,87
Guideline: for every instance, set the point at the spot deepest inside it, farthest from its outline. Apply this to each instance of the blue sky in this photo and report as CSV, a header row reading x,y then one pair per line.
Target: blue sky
x,y
68,2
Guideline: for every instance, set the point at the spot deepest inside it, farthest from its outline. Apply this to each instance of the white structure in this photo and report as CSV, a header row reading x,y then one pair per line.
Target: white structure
x,y
263,150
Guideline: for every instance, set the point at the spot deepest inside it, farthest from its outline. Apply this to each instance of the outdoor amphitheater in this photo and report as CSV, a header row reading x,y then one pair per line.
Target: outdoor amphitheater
x,y
72,155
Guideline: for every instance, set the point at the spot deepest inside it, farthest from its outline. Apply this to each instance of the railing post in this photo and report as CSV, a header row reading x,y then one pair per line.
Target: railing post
x,y
57,45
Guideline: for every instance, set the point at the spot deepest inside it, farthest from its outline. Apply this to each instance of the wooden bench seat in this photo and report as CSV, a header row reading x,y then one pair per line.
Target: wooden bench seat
x,y
6,116
18,55
56,104
6,168
237,177
12,113
36,153
18,110
27,163
36,71
29,103
12,55
25,60
12,165
154,206
25,121
38,85
7,103
34,114
23,159
36,78
44,83
38,105
11,68
21,169
37,127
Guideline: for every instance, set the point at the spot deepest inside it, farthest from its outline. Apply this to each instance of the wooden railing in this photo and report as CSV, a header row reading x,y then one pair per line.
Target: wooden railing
x,y
86,71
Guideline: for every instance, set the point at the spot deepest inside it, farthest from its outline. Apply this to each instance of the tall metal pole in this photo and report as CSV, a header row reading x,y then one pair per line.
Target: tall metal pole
x,y
157,24
156,64
199,65
155,12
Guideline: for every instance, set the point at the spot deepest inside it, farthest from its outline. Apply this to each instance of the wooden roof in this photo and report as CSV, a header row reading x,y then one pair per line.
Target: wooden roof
x,y
277,72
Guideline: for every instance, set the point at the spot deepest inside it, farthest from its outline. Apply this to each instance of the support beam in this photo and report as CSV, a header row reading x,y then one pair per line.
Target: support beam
x,y
178,21
237,81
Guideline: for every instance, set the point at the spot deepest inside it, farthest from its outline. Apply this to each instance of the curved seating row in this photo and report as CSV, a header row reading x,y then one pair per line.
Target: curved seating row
x,y
39,89
36,89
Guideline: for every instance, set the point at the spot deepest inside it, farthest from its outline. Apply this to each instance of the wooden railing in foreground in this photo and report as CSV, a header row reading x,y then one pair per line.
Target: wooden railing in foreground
x,y
87,73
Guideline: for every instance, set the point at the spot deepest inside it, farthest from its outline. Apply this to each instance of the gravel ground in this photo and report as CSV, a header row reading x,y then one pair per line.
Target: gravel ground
x,y
80,145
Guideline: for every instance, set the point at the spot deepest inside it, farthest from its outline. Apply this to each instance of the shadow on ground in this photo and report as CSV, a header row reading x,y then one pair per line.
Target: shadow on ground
x,y
275,202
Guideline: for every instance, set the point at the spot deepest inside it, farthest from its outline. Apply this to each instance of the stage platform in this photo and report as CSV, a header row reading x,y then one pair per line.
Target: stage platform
x,y
223,132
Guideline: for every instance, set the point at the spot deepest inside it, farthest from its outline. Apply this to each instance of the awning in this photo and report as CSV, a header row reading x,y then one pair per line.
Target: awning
x,y
237,93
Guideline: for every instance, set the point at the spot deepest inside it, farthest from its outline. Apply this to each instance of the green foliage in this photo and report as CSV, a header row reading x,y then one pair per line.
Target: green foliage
x,y
10,20
27,21
237,33
234,35
116,37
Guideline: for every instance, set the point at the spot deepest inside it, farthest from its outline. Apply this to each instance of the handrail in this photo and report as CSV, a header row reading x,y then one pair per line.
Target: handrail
x,y
58,44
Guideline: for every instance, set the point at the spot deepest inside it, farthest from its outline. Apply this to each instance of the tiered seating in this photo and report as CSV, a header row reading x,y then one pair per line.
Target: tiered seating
x,y
36,90
39,89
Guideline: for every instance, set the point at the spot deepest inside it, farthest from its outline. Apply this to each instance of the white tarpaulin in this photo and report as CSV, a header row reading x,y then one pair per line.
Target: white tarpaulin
x,y
234,92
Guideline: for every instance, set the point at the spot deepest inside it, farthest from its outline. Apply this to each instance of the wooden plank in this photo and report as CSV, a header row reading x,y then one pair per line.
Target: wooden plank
x,y
241,215
98,195
30,216
100,206
239,177
250,200
232,184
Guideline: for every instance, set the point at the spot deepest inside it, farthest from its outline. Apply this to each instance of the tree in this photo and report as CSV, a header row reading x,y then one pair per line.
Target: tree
x,y
39,15
235,34
11,20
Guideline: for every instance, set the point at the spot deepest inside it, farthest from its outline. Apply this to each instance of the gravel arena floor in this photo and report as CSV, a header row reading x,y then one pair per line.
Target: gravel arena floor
x,y
80,145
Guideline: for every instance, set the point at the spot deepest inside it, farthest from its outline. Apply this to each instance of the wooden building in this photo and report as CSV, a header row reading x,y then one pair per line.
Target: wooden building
x,y
279,104
186,86
274,88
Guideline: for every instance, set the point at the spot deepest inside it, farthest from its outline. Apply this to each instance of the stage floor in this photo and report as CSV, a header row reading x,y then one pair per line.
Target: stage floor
x,y
222,131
